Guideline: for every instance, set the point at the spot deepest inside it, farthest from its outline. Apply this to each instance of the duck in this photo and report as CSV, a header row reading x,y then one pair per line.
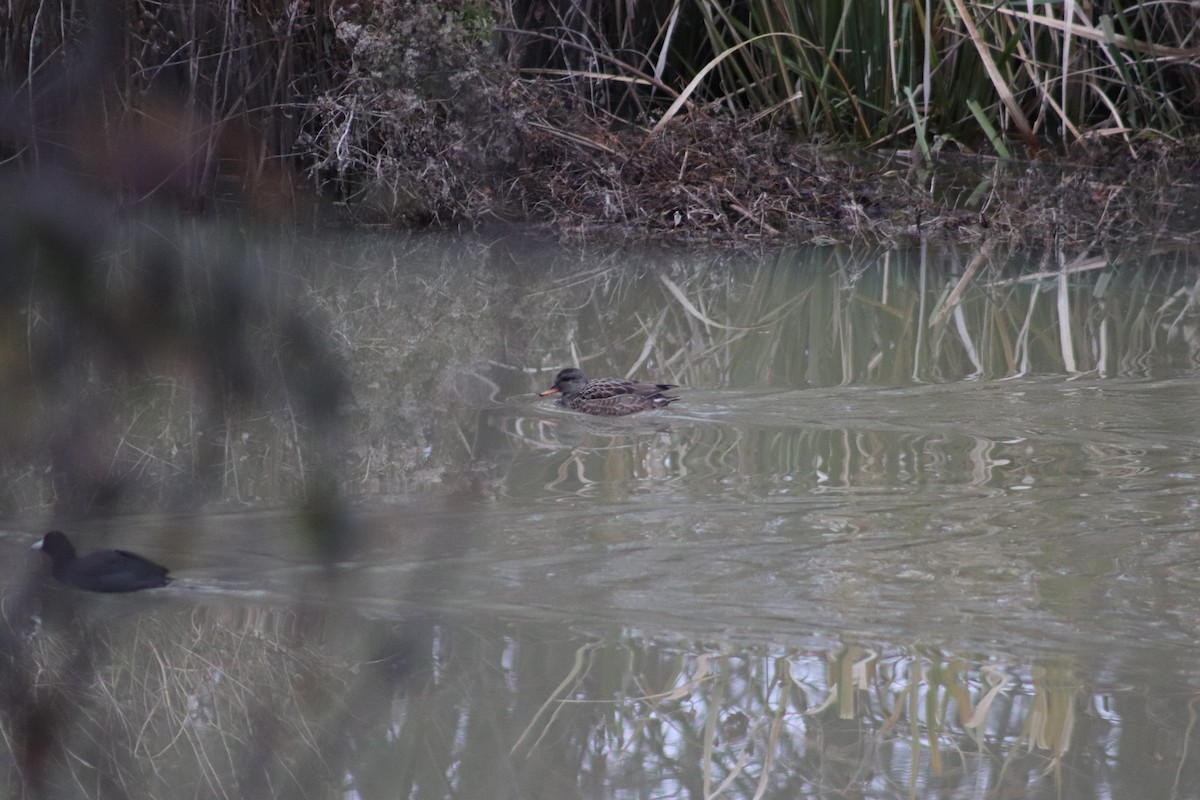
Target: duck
x,y
103,570
607,397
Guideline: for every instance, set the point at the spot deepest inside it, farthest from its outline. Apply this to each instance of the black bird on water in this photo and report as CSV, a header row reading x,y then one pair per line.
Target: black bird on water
x,y
608,397
103,570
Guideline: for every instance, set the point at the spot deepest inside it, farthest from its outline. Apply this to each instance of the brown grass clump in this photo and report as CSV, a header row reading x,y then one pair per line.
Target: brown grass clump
x,y
704,179
712,178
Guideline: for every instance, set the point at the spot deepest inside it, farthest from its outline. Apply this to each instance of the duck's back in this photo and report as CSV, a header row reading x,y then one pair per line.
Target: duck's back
x,y
616,398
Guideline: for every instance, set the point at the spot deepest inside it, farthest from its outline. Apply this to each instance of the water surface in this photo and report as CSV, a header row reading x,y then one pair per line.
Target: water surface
x,y
920,525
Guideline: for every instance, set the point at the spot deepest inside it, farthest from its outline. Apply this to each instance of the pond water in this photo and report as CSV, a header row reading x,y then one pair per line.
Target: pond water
x,y
923,523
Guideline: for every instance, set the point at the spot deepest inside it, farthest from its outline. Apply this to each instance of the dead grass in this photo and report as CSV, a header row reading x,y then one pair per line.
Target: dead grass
x,y
712,179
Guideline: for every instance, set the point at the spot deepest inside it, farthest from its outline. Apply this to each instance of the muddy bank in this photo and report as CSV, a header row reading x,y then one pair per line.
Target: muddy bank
x,y
708,179
507,151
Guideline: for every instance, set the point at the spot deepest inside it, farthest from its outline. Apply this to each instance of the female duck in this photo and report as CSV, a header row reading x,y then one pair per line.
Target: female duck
x,y
607,397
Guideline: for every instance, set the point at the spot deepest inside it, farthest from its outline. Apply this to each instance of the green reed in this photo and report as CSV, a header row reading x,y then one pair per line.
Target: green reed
x,y
883,70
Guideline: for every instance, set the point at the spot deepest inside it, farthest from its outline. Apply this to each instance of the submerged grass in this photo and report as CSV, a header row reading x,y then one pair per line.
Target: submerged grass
x,y
222,700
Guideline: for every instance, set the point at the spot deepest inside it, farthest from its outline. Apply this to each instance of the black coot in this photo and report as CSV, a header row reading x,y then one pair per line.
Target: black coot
x,y
103,570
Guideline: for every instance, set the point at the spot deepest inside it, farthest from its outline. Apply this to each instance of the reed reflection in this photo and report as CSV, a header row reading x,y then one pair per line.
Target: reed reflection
x,y
294,702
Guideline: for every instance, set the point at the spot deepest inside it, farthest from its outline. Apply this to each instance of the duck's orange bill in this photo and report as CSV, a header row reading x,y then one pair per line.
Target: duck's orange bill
x,y
549,392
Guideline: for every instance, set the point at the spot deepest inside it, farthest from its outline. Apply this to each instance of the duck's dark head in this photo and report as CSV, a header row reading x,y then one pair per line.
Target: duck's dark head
x,y
56,545
567,381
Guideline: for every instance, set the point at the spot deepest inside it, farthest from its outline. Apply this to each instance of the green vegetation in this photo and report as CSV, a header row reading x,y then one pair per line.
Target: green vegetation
x,y
844,70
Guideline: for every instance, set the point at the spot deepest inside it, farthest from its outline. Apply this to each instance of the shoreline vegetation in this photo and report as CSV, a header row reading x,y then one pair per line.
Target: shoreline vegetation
x,y
689,121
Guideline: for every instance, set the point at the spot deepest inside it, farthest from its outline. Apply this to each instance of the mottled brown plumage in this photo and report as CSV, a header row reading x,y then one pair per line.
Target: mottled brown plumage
x,y
607,397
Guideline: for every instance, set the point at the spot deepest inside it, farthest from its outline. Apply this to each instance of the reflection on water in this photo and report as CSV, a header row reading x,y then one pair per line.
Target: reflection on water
x,y
194,698
921,525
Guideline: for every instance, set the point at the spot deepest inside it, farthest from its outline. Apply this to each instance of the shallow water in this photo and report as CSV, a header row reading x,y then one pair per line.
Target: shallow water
x,y
905,535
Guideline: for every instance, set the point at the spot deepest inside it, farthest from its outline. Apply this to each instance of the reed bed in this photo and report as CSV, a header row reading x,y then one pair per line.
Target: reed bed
x,y
877,71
